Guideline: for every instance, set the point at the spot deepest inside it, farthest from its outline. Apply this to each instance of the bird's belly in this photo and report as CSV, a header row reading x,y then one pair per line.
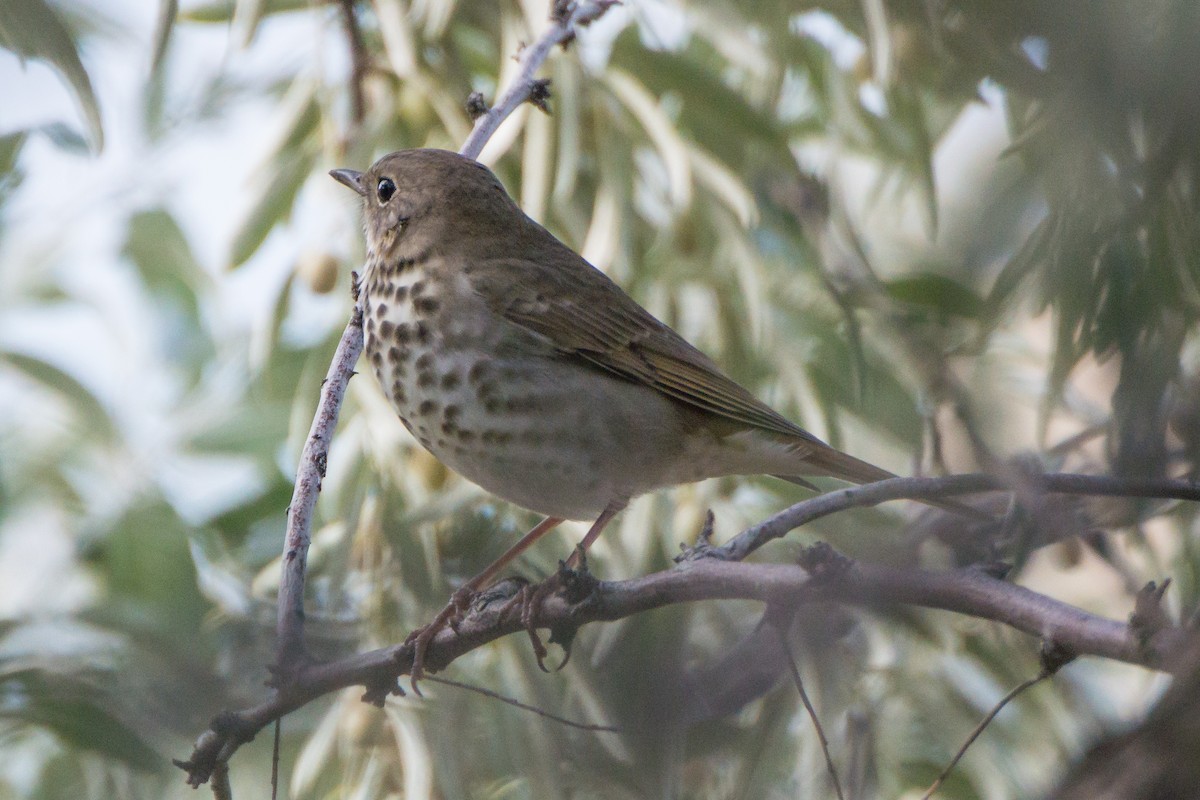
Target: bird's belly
x,y
543,431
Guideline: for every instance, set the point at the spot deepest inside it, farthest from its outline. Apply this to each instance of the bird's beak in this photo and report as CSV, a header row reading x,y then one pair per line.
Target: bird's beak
x,y
348,177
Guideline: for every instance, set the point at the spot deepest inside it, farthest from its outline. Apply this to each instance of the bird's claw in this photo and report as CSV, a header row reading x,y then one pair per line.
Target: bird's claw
x,y
449,617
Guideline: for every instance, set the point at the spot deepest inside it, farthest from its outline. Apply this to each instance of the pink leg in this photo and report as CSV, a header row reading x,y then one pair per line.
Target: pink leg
x,y
531,600
610,511
421,637
539,530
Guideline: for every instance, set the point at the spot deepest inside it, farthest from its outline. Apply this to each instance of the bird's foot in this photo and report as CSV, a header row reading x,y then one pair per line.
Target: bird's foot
x,y
575,583
449,617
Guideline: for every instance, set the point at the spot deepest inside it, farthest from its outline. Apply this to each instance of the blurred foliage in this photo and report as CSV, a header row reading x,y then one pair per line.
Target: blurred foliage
x,y
938,234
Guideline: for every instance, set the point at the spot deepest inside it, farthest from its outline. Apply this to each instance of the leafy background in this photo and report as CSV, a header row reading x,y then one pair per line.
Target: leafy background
x,y
939,235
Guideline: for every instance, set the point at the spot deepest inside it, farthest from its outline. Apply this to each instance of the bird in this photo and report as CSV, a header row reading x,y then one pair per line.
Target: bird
x,y
531,373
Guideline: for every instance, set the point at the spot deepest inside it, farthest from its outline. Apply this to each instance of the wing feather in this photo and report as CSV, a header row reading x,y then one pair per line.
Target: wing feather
x,y
590,317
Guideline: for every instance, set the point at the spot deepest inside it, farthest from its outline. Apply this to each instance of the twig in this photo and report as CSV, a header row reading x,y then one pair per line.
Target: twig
x,y
358,62
275,761
1054,656
563,27
934,488
808,706
220,783
309,473
583,726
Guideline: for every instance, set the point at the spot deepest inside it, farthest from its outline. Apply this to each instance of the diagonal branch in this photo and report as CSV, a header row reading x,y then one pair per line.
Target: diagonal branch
x,y
565,22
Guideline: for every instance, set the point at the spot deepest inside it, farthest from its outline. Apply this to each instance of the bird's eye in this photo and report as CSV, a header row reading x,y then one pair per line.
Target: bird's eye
x,y
386,189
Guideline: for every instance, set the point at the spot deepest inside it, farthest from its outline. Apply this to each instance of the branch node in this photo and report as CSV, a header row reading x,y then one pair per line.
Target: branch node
x,y
1054,655
377,692
703,548
539,94
476,105
822,562
1149,617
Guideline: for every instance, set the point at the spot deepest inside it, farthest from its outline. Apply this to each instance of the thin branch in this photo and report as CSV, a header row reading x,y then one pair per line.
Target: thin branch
x,y
563,27
983,723
358,62
309,473
872,494
275,761
570,723
812,712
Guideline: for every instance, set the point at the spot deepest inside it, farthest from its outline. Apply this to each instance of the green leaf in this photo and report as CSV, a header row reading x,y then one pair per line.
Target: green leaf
x,y
32,29
272,206
157,247
945,295
288,170
168,12
75,710
222,11
92,414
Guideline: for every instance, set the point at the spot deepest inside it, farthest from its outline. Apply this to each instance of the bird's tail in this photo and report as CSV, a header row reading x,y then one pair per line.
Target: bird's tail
x,y
836,464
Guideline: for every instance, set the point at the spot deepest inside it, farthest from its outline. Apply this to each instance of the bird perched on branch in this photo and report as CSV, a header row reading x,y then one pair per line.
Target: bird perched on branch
x,y
528,371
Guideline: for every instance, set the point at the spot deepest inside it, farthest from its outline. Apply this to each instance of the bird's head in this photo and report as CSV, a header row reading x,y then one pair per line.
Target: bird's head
x,y
418,203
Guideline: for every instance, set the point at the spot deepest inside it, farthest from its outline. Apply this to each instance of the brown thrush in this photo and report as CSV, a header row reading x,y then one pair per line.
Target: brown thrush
x,y
524,368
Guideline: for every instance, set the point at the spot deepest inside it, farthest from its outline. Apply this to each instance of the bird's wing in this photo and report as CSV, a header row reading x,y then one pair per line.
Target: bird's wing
x,y
589,317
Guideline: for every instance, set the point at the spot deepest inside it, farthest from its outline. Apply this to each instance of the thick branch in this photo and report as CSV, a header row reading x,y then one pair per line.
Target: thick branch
x,y
966,591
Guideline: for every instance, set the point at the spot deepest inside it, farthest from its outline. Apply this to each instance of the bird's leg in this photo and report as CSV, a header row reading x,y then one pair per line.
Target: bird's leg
x,y
460,601
531,601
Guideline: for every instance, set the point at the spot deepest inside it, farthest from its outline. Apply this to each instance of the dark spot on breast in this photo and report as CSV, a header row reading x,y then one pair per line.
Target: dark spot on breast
x,y
370,324
407,424
422,332
380,310
401,292
451,412
377,359
426,305
403,333
418,288
398,394
427,407
450,381
476,373
385,329
394,355
466,436
425,362
425,379
441,443
487,390
493,436
521,404
424,442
